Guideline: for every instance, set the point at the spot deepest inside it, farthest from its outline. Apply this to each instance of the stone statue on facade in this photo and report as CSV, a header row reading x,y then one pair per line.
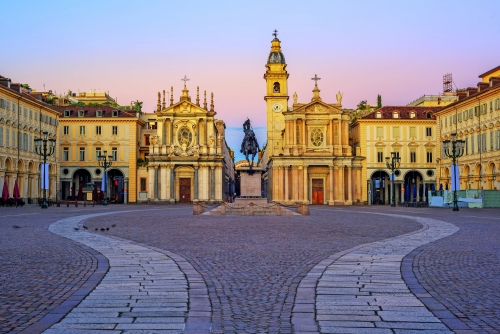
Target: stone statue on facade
x,y
339,97
249,146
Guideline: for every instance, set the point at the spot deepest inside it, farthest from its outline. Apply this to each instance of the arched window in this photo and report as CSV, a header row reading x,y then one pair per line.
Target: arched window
x,y
276,87
378,114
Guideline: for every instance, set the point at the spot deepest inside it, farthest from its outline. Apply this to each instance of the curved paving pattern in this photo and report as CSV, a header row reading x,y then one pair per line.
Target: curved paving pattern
x,y
363,290
144,290
253,265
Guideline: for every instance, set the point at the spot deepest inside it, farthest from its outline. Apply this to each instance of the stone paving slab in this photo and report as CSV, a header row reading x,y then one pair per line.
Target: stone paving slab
x,y
140,283
374,269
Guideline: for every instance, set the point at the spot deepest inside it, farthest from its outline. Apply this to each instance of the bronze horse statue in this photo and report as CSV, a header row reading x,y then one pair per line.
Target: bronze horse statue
x,y
249,146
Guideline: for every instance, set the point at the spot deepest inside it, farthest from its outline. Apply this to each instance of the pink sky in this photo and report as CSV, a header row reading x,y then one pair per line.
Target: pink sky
x,y
132,49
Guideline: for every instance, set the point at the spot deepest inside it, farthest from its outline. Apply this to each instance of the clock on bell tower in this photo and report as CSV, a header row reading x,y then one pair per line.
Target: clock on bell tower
x,y
276,97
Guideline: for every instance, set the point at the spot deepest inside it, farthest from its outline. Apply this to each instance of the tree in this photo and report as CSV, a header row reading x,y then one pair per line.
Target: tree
x,y
379,101
363,105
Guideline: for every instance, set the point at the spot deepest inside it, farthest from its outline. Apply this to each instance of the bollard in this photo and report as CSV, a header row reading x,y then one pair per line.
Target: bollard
x,y
84,203
76,203
58,204
251,209
223,209
278,209
305,209
67,203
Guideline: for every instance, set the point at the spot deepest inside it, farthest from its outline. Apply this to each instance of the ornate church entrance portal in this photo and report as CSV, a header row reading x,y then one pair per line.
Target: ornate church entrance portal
x,y
317,191
184,190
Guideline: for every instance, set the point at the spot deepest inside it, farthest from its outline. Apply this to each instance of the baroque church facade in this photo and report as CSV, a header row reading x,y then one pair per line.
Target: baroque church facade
x,y
188,157
307,157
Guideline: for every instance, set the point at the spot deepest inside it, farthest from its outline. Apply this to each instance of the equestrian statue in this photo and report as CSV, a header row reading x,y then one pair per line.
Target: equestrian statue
x,y
249,144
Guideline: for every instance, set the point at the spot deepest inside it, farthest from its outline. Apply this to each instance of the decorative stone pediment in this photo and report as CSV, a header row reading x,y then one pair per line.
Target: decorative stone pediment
x,y
98,143
396,144
183,150
114,143
429,144
316,107
413,144
379,144
81,143
65,143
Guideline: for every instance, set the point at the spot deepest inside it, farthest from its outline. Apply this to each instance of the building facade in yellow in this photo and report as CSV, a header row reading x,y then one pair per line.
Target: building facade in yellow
x,y
411,133
22,119
185,154
84,134
475,118
308,156
434,100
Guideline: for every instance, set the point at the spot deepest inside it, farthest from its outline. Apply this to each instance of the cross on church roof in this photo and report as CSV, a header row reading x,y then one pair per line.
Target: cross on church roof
x,y
315,79
275,33
185,79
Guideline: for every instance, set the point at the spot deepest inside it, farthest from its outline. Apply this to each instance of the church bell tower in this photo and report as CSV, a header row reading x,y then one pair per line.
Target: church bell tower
x,y
276,97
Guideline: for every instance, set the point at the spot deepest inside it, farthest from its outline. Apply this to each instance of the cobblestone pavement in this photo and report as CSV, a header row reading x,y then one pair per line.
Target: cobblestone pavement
x,y
40,271
367,283
142,290
252,265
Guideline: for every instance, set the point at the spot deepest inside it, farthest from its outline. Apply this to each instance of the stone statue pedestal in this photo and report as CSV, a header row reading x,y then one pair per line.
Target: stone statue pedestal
x,y
250,187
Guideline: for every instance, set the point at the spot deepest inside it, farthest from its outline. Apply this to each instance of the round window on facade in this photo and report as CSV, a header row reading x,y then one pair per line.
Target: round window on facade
x,y
430,173
97,171
317,137
397,172
185,137
65,171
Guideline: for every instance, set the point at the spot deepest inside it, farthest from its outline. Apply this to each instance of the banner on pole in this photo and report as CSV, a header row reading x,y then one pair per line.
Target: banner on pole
x,y
104,181
45,177
455,178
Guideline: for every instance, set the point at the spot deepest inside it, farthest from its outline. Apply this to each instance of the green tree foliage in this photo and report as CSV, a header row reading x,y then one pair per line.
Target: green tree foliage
x,y
379,101
77,104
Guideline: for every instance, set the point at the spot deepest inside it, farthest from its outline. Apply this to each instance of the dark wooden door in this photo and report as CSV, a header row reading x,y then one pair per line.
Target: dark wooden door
x,y
317,191
184,190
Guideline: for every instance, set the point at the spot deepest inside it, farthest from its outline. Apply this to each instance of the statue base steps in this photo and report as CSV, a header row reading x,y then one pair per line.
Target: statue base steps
x,y
251,209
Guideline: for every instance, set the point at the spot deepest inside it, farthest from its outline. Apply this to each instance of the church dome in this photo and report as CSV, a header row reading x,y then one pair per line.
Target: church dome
x,y
276,56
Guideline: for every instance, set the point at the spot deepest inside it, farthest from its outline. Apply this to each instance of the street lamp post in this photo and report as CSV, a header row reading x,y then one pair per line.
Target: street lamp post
x,y
393,163
105,163
42,149
457,150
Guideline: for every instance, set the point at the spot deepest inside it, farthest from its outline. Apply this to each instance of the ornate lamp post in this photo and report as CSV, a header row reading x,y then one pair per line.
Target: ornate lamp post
x,y
105,163
393,163
42,149
457,150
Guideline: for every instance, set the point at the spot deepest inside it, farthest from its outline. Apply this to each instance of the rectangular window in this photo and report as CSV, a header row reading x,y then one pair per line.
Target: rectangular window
x,y
143,184
380,156
413,155
478,143
428,132
98,130
470,113
472,144
31,113
483,144
1,135
25,141
397,152
114,154
395,131
460,117
82,153
498,140
445,122
25,112
380,131
66,154
491,140
146,140
114,130
14,139
466,145
466,113
36,116
491,106
7,137
429,156
413,132
82,130
66,129
97,152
